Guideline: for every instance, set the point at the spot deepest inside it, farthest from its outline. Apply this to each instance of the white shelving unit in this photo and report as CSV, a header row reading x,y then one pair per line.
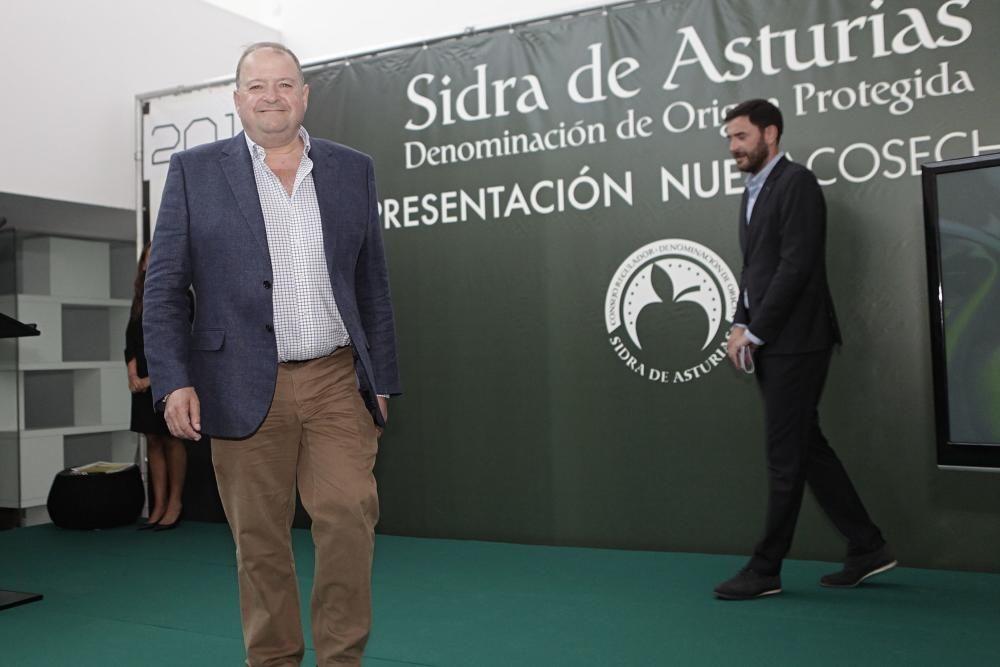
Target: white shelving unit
x,y
72,400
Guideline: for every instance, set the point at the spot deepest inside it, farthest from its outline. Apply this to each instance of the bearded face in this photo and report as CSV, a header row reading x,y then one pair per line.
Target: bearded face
x,y
747,145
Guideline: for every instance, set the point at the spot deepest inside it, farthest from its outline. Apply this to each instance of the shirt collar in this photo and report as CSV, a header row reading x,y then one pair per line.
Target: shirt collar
x,y
756,180
259,152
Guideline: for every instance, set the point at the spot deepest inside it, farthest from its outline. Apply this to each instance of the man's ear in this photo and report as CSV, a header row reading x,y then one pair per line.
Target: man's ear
x,y
771,135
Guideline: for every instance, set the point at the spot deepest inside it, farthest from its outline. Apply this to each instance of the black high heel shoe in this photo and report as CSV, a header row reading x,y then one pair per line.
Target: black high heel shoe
x,y
149,525
160,527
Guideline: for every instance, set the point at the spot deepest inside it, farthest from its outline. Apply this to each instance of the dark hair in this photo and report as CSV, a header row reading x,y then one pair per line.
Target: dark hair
x,y
274,46
140,282
760,112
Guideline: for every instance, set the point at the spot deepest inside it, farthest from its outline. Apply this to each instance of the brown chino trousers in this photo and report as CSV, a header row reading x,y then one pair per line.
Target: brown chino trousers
x,y
319,434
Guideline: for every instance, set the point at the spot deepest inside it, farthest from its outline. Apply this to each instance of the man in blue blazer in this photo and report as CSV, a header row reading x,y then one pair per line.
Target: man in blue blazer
x,y
292,355
785,329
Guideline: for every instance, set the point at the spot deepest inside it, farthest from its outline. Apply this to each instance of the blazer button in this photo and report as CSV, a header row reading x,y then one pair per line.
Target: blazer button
x,y
269,328
267,284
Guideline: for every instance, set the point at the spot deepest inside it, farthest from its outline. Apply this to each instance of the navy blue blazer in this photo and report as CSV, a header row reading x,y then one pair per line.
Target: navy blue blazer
x,y
210,235
784,264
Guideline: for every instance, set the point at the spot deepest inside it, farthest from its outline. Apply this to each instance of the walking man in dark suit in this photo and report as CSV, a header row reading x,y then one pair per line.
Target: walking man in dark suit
x,y
291,356
785,329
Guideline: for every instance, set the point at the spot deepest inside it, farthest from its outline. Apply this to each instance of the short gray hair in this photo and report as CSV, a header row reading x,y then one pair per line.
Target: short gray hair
x,y
274,46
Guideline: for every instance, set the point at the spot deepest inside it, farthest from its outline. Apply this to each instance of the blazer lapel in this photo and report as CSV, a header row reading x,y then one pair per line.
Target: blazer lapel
x,y
238,168
744,235
326,176
757,216
766,190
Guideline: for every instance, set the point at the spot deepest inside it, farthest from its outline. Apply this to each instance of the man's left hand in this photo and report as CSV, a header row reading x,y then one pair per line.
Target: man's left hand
x,y
738,339
383,406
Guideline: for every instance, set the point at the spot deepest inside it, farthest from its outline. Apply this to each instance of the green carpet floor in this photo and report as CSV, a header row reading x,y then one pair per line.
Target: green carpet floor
x,y
124,598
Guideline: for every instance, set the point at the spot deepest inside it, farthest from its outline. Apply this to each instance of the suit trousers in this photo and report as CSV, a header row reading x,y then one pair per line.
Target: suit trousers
x,y
798,454
319,435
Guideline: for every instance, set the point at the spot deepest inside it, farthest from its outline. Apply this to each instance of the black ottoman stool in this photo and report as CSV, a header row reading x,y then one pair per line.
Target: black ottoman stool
x,y
86,501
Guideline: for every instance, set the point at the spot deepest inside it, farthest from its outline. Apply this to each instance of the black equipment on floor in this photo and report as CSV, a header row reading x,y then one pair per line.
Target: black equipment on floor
x,y
89,500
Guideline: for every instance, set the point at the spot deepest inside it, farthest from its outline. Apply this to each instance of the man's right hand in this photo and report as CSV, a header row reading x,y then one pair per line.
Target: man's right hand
x,y
183,414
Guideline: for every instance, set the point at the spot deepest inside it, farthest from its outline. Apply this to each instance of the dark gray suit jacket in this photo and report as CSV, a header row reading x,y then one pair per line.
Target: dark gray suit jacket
x,y
784,265
210,234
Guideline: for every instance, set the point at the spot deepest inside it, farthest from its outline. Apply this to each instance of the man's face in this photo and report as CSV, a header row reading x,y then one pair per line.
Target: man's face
x,y
270,99
748,144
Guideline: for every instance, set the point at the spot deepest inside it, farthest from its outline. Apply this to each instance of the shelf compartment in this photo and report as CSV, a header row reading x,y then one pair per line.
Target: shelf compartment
x,y
64,399
65,267
117,446
93,333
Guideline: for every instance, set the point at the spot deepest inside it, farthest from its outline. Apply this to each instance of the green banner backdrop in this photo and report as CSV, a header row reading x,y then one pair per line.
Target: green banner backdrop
x,y
560,213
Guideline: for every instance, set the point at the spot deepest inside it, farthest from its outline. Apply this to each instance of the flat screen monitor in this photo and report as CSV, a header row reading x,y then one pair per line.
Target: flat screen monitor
x,y
962,224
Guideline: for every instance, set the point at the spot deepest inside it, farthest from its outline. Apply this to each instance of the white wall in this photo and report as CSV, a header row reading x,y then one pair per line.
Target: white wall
x,y
318,29
71,71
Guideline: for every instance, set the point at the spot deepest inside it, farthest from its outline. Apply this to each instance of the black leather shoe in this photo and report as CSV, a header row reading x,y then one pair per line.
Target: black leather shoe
x,y
747,585
858,568
166,526
149,525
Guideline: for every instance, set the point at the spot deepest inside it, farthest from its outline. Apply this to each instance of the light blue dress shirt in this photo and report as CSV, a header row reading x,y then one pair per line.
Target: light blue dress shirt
x,y
754,183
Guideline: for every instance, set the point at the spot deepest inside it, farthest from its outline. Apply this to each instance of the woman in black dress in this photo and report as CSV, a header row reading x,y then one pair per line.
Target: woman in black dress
x,y
165,454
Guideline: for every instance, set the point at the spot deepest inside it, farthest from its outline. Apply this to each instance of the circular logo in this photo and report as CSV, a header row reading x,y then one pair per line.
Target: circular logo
x,y
665,309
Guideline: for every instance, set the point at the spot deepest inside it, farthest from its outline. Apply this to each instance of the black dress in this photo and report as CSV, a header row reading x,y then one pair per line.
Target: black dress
x,y
144,418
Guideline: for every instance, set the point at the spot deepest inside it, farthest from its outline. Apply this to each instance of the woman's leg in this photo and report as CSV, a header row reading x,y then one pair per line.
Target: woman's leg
x,y
176,457
157,462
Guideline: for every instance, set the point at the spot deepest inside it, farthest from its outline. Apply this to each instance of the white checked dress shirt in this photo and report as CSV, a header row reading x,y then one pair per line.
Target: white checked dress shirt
x,y
307,323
